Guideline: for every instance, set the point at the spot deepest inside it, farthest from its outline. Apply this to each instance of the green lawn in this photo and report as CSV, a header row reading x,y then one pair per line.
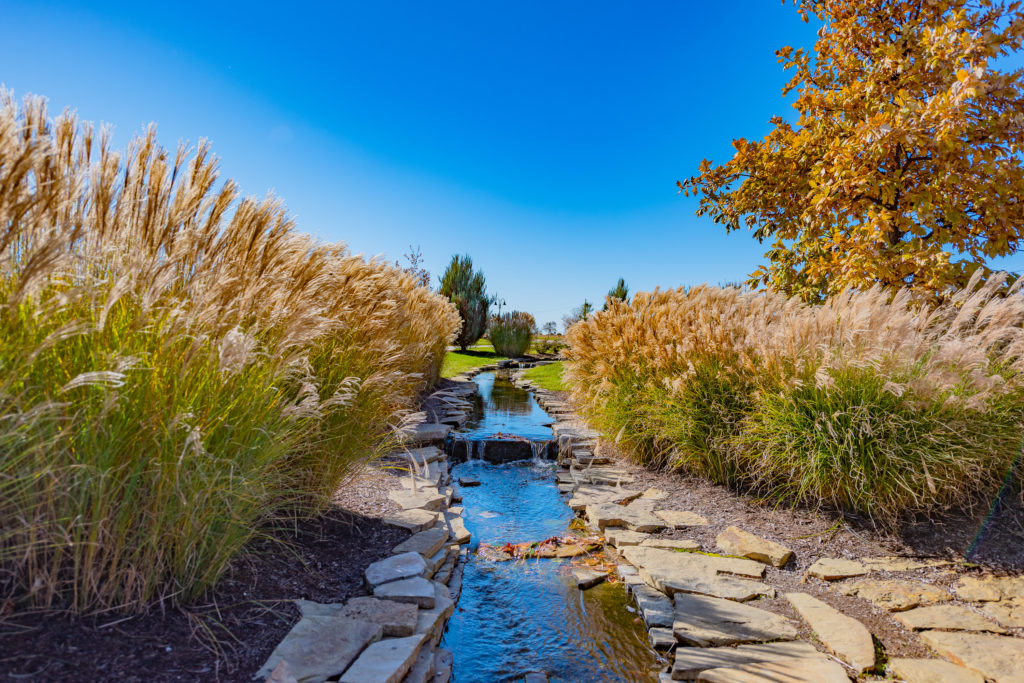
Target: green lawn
x,y
547,376
456,362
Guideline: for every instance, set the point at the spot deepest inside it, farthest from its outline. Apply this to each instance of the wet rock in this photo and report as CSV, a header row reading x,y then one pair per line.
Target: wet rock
x,y
1000,658
671,544
932,671
318,648
395,618
604,515
620,538
691,661
427,498
457,528
468,481
843,635
535,677
662,638
736,541
427,433
706,621
395,568
426,543
990,588
895,596
1009,613
680,519
417,591
834,568
794,671
671,572
414,520
946,618
386,661
587,578
655,607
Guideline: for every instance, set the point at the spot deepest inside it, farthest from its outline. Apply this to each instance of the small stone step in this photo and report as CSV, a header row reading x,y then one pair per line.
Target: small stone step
x,y
655,607
427,498
620,538
736,541
320,647
793,671
386,661
397,619
705,621
680,519
415,520
603,515
662,638
932,671
427,433
691,661
587,578
457,528
417,591
426,543
834,568
1000,658
443,661
671,543
896,596
843,635
946,618
395,568
468,481
430,621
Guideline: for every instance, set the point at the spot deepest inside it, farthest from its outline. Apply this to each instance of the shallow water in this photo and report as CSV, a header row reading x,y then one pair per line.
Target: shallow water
x,y
521,616
504,408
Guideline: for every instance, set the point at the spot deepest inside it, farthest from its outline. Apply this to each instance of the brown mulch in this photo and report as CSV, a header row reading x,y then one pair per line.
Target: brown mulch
x,y
228,635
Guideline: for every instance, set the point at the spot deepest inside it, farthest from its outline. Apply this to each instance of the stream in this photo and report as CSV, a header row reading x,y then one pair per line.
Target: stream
x,y
523,616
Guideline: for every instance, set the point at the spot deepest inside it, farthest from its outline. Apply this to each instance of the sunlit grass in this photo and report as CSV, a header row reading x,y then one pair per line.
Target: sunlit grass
x,y
457,362
547,376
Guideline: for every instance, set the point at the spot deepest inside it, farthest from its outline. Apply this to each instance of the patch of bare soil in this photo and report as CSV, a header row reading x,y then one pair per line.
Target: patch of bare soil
x,y
228,635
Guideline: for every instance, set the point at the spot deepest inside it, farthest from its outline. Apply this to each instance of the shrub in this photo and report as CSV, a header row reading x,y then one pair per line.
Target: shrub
x,y
511,333
179,365
467,289
549,344
874,402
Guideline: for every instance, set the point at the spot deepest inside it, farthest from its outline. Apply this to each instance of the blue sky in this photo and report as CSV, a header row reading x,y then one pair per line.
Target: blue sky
x,y
542,138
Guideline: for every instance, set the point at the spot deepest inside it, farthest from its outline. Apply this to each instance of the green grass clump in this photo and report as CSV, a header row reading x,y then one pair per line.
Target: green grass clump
x,y
458,362
547,376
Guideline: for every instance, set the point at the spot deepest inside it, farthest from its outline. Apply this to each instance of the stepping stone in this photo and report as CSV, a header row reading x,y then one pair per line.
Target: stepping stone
x,y
620,538
318,648
426,498
843,635
655,494
655,607
589,494
1009,613
602,515
662,638
386,661
900,564
691,661
587,578
671,544
946,618
604,475
421,456
671,572
443,662
413,520
397,619
933,671
417,591
457,528
395,568
1000,658
422,669
428,432
896,596
426,543
680,519
705,621
792,671
736,541
430,621
834,568
624,570
468,481
990,588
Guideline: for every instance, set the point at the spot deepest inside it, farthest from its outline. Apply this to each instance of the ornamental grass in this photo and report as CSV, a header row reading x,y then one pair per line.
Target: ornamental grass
x,y
874,402
511,333
179,365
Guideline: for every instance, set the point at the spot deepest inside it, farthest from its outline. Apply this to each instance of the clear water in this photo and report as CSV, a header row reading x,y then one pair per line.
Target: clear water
x,y
521,616
503,408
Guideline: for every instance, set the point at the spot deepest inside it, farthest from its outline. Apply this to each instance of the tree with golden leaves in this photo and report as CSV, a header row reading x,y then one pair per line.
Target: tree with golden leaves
x,y
904,164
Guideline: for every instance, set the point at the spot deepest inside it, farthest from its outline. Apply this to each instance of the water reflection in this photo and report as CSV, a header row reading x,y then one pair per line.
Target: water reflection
x,y
504,408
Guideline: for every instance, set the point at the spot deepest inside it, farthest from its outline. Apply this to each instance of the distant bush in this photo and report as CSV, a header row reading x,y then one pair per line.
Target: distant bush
x,y
874,402
549,344
467,289
511,333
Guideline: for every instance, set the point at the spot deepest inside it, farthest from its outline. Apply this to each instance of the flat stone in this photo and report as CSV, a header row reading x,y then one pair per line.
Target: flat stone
x,y
989,588
895,596
282,673
422,669
443,662
620,538
655,607
604,475
415,520
705,621
590,494
843,635
386,661
426,543
420,456
468,481
835,568
680,519
691,661
587,578
946,618
900,564
428,432
395,618
602,515
671,544
662,638
319,647
395,568
417,591
736,541
457,528
1000,658
426,498
932,671
655,494
672,572
1009,613
791,671
430,621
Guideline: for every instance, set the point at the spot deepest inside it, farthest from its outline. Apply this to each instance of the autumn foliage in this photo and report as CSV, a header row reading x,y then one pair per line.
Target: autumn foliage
x,y
903,165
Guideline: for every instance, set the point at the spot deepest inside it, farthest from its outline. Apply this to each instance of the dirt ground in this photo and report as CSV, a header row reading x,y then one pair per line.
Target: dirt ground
x,y
229,635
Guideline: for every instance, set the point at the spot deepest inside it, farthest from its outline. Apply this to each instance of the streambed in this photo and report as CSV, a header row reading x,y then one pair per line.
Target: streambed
x,y
528,615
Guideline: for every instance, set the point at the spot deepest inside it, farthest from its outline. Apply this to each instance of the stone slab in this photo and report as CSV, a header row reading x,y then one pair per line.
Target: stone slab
x,y
395,568
988,588
680,519
604,515
1009,613
691,661
587,578
1000,658
946,618
671,543
431,621
655,607
900,564
417,591
395,618
426,543
320,647
457,528
386,661
932,671
789,671
468,481
620,538
415,520
843,635
655,494
427,498
835,568
705,621
661,638
590,494
443,662
427,433
671,572
736,541
895,596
